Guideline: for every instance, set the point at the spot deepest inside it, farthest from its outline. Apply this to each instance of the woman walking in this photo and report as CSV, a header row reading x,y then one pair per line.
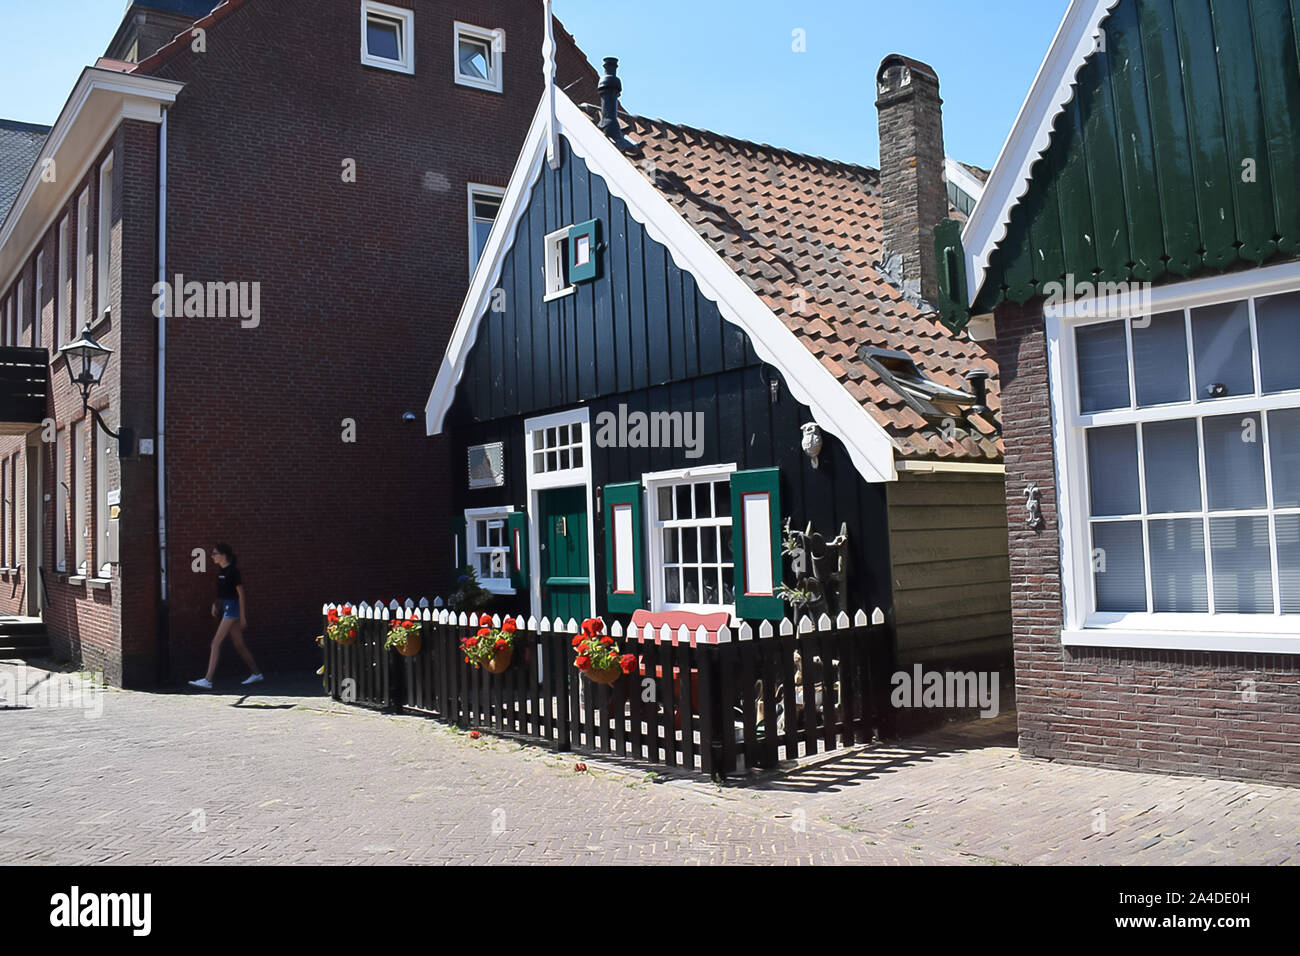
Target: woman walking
x,y
229,606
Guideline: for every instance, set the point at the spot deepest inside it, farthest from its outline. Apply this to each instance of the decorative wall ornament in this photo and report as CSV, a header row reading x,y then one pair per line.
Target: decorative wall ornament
x,y
1034,507
812,441
820,567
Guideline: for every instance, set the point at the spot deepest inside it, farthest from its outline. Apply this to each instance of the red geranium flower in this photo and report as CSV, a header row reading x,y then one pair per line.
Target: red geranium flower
x,y
508,625
471,641
352,632
578,640
485,621
484,631
502,642
474,735
607,640
627,662
347,609
583,662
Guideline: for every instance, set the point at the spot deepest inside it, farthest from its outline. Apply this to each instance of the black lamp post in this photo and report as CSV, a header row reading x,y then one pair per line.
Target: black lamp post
x,y
87,360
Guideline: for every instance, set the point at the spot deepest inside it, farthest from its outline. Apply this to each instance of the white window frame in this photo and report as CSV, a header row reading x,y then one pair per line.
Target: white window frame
x,y
83,257
20,310
538,482
651,483
80,492
405,20
472,547
38,309
496,44
105,567
104,243
7,316
1232,633
555,252
473,191
61,500
61,292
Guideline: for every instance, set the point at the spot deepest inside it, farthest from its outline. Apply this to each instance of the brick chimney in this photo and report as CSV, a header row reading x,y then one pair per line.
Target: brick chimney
x,y
913,195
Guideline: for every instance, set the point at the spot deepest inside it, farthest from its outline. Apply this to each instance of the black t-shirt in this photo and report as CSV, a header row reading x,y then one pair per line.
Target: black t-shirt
x,y
228,579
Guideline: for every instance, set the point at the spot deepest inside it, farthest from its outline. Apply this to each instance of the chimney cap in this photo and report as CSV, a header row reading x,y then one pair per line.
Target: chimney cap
x,y
896,72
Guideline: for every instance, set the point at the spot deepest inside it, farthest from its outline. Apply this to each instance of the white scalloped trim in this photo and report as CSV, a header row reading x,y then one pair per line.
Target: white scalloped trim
x,y
1031,134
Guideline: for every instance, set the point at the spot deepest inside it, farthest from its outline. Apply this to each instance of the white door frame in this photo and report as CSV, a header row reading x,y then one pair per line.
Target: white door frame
x,y
545,481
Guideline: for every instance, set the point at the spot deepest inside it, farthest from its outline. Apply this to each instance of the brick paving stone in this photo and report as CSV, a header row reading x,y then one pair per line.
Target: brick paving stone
x,y
287,776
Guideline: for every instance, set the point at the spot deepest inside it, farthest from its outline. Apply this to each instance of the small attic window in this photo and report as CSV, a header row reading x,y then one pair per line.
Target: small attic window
x,y
387,37
922,393
557,264
478,57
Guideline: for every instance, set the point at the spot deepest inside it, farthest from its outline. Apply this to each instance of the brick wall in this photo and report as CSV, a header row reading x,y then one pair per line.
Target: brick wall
x,y
1171,711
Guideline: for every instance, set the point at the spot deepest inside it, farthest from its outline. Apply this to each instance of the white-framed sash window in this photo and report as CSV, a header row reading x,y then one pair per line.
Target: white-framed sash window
x,y
478,57
487,547
689,526
387,37
1177,428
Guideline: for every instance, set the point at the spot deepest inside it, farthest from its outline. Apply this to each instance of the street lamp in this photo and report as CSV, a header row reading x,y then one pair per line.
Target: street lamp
x,y
87,360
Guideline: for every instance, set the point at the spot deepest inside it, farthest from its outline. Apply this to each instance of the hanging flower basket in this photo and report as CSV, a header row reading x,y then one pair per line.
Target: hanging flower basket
x,y
404,635
491,648
342,627
598,654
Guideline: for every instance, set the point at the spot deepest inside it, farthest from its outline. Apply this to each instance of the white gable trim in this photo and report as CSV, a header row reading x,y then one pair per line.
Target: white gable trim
x,y
834,409
1031,134
957,174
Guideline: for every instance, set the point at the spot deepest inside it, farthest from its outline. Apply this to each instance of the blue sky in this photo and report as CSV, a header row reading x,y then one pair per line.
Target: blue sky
x,y
725,65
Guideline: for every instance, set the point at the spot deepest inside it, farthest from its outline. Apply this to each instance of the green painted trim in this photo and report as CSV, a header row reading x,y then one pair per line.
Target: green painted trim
x,y
567,582
625,602
591,268
759,481
517,529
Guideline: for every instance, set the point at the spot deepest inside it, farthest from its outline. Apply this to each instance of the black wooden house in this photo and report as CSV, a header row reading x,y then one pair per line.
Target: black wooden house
x,y
678,344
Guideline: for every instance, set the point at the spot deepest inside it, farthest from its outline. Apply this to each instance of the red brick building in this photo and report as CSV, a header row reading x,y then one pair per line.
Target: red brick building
x,y
312,166
1134,256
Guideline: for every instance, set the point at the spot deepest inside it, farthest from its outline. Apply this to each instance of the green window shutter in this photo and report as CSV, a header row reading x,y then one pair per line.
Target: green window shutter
x,y
458,541
624,549
584,251
756,542
517,531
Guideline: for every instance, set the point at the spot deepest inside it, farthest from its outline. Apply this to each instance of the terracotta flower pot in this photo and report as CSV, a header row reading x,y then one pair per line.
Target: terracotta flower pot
x,y
609,675
499,661
346,641
411,646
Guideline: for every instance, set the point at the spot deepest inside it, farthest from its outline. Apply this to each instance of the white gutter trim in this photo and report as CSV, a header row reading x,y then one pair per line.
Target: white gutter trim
x,y
955,467
1031,134
160,449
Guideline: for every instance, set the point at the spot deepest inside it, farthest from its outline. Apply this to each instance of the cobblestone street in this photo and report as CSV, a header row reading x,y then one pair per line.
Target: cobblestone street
x,y
286,776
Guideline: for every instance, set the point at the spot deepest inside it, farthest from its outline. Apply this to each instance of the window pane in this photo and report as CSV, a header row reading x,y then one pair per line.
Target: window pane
x,y
564,458
691,585
726,545
683,502
1171,457
562,435
1118,566
475,59
690,545
665,504
709,544
1103,366
670,545
1243,576
1113,470
1221,337
672,585
1284,449
728,588
1288,562
710,576
1160,359
382,38
703,501
722,499
1234,461
1178,566
575,433
577,456
1277,321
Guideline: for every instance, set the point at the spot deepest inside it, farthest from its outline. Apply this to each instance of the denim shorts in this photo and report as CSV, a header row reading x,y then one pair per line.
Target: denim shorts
x,y
230,608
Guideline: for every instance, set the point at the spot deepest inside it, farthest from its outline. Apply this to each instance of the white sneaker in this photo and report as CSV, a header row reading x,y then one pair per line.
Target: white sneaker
x,y
202,683
252,679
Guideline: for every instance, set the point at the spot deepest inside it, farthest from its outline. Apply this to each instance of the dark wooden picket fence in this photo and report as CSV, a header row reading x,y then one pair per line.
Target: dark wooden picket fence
x,y
744,698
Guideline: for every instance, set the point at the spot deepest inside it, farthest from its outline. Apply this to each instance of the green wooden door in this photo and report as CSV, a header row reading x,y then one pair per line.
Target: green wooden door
x,y
562,549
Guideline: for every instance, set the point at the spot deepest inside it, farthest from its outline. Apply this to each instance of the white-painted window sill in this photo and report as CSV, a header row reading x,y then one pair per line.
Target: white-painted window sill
x,y
1182,641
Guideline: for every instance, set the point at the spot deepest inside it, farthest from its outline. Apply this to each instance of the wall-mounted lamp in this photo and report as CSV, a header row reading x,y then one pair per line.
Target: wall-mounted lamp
x,y
87,361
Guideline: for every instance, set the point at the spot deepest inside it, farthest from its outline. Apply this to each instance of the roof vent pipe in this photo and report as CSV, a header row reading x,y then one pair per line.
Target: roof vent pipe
x,y
979,383
610,87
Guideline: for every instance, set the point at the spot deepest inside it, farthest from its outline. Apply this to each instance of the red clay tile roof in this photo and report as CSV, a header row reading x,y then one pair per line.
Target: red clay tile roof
x,y
805,234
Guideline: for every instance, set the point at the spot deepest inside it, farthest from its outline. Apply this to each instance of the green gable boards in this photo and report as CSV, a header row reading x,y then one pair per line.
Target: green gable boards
x,y
1177,155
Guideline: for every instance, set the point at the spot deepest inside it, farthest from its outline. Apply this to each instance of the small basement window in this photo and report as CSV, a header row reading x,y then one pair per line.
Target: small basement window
x,y
387,37
557,264
478,57
487,547
923,394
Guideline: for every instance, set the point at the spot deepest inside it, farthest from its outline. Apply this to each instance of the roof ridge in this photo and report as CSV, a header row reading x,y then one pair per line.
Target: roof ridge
x,y
823,160
18,126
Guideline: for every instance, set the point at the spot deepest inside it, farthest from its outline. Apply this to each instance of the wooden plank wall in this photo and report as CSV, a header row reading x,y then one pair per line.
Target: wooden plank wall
x,y
952,579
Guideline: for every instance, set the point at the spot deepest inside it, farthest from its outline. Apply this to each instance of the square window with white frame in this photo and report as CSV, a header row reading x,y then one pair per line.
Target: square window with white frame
x,y
556,250
478,57
487,547
387,37
691,561
557,448
1181,458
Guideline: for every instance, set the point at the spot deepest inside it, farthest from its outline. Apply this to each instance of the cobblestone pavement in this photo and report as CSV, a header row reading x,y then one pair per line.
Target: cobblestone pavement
x,y
286,776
